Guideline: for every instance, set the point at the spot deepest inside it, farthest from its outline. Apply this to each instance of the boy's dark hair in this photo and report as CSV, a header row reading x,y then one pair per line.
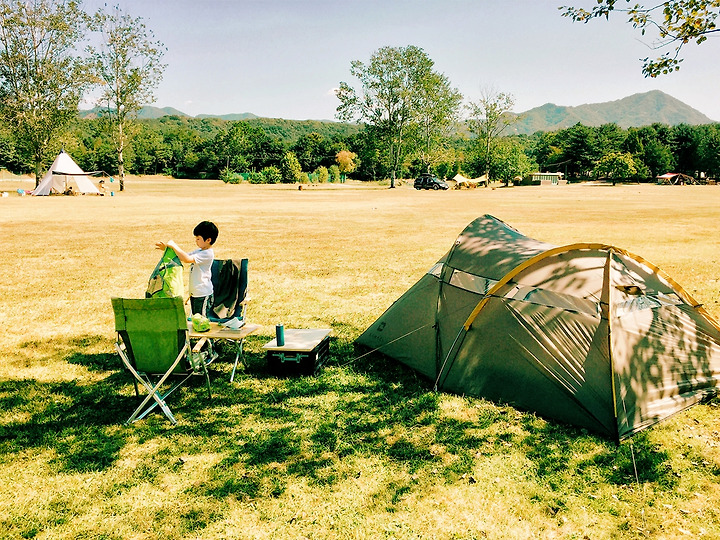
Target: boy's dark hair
x,y
205,230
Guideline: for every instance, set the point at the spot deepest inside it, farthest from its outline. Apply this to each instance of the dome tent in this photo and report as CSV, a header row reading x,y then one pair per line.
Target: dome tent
x,y
63,174
587,334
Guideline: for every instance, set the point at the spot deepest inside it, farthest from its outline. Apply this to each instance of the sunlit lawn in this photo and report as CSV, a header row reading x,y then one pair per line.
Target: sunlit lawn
x,y
363,450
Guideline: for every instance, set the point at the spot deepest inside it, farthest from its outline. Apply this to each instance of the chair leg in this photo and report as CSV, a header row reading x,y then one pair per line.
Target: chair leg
x,y
153,390
159,401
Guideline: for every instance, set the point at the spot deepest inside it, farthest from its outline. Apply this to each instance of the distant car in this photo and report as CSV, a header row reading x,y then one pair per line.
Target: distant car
x,y
428,181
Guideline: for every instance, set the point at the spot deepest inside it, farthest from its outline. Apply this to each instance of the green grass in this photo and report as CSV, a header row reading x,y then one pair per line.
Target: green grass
x,y
365,449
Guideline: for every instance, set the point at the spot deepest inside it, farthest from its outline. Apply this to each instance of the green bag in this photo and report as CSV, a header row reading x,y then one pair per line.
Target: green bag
x,y
200,323
167,278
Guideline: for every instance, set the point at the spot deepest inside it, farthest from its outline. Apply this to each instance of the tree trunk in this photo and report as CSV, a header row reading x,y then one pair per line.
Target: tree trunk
x,y
37,170
121,162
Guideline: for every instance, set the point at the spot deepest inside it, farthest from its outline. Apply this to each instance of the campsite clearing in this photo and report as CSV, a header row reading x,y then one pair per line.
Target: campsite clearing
x,y
363,450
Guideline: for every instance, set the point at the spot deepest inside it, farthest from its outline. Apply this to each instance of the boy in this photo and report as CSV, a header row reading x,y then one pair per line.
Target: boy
x,y
201,259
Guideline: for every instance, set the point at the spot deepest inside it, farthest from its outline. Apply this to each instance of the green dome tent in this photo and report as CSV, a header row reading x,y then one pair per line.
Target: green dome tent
x,y
587,334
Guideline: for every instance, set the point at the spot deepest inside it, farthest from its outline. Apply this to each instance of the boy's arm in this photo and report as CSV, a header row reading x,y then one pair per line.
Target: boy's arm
x,y
182,255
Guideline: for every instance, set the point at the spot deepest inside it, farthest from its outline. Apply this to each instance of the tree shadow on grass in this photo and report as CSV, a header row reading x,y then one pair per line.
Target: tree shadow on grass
x,y
79,422
271,431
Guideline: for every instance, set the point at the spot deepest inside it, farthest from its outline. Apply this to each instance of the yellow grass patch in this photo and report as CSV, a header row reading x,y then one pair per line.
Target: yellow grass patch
x,y
338,455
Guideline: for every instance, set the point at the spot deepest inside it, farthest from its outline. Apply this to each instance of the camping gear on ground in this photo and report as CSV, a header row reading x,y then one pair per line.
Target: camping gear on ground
x,y
152,341
230,290
280,335
166,279
587,334
303,353
64,176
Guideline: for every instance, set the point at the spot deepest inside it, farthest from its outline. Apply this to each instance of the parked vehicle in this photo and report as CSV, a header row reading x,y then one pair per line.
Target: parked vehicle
x,y
429,181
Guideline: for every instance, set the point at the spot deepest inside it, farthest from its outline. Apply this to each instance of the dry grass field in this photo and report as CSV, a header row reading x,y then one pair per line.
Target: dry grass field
x,y
363,450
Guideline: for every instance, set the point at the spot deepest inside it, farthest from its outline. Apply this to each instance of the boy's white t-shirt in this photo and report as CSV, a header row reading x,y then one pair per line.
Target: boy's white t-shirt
x,y
201,273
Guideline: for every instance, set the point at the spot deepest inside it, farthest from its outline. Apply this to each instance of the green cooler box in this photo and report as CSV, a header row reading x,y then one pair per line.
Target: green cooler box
x,y
304,352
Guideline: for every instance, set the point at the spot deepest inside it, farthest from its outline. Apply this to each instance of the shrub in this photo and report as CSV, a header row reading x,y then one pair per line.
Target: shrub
x,y
272,175
304,178
290,168
334,172
230,177
322,174
256,178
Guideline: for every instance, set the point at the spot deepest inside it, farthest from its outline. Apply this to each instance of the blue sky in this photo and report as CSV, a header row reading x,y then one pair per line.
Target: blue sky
x,y
282,58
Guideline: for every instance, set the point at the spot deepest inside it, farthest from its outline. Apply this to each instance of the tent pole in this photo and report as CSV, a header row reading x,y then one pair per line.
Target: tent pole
x,y
606,308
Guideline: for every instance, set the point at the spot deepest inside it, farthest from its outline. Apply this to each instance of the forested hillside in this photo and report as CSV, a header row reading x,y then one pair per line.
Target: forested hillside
x,y
633,111
275,150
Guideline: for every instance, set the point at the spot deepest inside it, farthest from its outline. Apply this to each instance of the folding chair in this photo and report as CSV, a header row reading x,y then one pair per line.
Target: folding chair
x,y
152,341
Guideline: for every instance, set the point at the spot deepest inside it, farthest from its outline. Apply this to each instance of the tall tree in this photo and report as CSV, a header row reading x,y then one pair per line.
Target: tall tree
x,y
578,149
312,151
41,78
438,107
676,22
346,161
488,118
128,64
387,98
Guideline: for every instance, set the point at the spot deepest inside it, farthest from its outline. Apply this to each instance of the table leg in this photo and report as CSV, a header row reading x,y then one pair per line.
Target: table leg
x,y
238,354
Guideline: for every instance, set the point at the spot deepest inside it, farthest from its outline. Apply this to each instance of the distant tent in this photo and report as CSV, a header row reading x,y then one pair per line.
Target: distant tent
x,y
676,178
463,181
587,334
64,174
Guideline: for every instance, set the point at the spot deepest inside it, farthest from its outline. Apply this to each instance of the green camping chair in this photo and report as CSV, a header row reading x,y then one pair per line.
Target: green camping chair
x,y
152,341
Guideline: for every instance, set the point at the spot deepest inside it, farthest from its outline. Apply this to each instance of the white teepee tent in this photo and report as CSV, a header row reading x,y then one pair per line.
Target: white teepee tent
x,y
63,174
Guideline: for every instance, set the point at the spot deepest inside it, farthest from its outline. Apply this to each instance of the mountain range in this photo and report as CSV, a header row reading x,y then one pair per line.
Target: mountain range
x,y
633,111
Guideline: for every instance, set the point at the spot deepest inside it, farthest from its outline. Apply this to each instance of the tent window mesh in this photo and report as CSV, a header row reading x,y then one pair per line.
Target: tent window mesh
x,y
470,282
653,301
544,297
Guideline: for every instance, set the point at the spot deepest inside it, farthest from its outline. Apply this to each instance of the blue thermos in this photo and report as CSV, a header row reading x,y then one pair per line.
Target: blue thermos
x,y
280,335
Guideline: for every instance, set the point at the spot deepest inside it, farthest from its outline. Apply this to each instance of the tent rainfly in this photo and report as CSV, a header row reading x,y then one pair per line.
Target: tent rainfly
x,y
63,174
586,334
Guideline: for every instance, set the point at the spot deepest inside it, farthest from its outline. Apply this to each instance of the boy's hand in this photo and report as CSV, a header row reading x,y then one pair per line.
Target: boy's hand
x,y
169,244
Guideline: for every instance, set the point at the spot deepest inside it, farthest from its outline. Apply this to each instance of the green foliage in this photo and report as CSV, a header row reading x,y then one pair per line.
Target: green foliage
x,y
313,151
322,175
290,131
272,175
245,147
489,117
395,99
334,173
290,169
677,22
256,177
229,176
128,62
615,165
41,76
